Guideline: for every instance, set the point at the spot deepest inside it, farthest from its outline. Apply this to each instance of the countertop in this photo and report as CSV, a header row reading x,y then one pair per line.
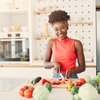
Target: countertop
x,y
12,93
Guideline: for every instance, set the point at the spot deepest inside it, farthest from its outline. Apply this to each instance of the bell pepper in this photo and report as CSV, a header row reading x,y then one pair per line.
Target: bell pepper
x,y
69,86
44,81
78,83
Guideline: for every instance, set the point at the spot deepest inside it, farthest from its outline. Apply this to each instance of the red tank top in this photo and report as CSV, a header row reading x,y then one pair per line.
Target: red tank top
x,y
64,53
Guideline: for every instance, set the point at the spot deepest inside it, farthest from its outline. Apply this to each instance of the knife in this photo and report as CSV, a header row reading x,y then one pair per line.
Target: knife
x,y
61,75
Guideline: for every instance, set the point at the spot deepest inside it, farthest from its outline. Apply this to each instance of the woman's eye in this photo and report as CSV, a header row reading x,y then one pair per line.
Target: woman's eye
x,y
62,28
56,29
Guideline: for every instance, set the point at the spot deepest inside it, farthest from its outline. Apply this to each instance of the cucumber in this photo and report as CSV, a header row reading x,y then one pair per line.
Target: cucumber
x,y
36,80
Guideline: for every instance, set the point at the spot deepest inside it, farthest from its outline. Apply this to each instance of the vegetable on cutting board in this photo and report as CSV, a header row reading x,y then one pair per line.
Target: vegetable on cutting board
x,y
44,81
69,86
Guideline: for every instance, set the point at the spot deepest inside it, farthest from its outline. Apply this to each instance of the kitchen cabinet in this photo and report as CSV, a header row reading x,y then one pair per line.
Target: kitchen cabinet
x,y
14,33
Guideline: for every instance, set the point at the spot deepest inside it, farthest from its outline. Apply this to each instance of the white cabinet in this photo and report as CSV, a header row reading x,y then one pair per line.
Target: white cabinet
x,y
14,31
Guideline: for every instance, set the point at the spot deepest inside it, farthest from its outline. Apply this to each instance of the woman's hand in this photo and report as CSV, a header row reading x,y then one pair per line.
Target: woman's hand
x,y
57,67
69,72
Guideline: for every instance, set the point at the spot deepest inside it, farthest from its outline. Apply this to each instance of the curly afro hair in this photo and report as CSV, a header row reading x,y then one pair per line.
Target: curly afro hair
x,y
57,16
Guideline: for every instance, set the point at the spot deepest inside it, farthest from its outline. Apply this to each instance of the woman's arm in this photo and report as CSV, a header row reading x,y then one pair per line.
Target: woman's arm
x,y
47,59
80,58
48,54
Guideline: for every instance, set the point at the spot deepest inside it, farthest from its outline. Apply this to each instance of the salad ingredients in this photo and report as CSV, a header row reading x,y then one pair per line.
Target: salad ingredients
x,y
76,97
69,86
74,90
41,93
88,92
48,86
36,80
93,82
26,91
97,78
44,81
21,91
87,78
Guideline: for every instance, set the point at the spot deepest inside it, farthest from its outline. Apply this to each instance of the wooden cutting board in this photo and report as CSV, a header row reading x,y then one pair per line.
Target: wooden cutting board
x,y
53,86
59,86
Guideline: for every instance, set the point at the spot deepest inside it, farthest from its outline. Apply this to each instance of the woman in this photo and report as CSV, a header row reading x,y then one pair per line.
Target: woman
x,y
62,51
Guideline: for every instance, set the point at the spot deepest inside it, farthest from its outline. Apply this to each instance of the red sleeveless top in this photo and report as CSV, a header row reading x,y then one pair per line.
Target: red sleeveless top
x,y
64,53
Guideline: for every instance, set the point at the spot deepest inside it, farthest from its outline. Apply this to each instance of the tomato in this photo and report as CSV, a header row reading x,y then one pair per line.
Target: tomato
x,y
82,80
28,93
21,91
78,83
55,82
26,87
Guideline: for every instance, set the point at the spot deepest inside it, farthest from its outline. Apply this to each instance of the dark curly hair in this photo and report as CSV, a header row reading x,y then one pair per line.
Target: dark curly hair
x,y
58,15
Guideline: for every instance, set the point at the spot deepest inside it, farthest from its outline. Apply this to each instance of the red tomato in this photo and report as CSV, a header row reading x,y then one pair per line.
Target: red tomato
x,y
56,82
26,87
28,93
21,91
79,83
82,80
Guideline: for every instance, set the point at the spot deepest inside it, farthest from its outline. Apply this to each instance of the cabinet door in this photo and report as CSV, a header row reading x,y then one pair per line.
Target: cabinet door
x,y
14,33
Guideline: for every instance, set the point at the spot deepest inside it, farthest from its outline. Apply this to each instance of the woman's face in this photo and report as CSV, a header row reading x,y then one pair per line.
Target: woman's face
x,y
60,29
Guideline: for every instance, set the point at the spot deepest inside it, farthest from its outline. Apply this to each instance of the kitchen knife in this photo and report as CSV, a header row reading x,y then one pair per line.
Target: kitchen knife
x,y
61,75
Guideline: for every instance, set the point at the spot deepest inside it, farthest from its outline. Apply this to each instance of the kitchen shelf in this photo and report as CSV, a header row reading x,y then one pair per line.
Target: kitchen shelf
x,y
42,37
42,11
80,23
70,23
14,11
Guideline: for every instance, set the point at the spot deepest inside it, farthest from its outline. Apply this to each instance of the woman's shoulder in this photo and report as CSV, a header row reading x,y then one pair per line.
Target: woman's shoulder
x,y
77,41
50,42
78,44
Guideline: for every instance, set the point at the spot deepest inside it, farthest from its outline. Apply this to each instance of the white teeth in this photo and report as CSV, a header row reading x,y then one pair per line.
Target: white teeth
x,y
60,35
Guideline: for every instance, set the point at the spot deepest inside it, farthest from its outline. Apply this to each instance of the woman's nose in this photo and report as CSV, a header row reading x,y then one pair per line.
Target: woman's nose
x,y
59,31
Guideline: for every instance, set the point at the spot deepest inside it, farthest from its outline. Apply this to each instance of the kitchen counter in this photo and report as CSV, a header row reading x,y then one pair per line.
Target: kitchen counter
x,y
13,93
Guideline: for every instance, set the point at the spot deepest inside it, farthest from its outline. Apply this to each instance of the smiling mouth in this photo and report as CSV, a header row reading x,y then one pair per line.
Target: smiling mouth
x,y
60,35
